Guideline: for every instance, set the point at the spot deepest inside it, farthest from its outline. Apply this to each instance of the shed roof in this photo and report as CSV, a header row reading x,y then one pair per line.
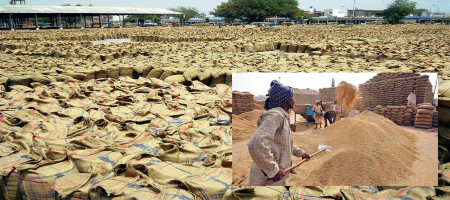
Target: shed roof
x,y
89,10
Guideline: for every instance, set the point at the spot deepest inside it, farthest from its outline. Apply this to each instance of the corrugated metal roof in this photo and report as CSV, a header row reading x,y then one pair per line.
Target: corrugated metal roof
x,y
22,9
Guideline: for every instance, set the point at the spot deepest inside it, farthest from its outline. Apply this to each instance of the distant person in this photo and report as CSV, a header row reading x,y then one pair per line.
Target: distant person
x,y
338,110
271,145
318,113
330,116
412,98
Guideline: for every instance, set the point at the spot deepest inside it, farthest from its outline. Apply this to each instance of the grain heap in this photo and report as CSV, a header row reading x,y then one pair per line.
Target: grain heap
x,y
243,102
393,89
327,94
367,150
126,138
424,117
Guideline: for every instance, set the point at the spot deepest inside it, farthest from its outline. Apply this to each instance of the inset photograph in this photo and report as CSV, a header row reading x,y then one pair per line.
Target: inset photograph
x,y
335,129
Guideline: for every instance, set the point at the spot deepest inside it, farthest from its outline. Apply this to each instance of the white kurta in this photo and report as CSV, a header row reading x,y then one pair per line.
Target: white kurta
x,y
271,147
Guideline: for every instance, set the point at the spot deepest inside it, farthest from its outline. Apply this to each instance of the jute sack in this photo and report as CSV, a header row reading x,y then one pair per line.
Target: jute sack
x,y
425,111
325,191
444,171
40,183
404,193
204,183
155,73
180,152
208,185
19,80
9,186
126,71
249,192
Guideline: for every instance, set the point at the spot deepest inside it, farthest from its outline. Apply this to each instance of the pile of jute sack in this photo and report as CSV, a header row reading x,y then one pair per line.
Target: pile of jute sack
x,y
243,102
305,96
369,42
422,116
392,89
115,138
327,94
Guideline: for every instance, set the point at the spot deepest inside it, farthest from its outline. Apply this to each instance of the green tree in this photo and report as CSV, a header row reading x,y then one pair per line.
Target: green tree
x,y
66,4
132,18
257,10
397,10
189,12
79,5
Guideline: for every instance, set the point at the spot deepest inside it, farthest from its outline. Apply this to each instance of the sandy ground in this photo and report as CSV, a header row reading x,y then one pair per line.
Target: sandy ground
x,y
306,137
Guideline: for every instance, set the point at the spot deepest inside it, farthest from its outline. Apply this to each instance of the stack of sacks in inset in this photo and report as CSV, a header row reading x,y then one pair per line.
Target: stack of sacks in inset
x,y
410,115
305,96
327,94
243,102
395,114
380,110
424,117
401,115
393,89
424,90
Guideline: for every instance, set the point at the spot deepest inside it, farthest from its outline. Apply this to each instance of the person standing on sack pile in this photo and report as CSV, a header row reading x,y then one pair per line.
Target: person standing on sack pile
x,y
318,113
271,145
412,98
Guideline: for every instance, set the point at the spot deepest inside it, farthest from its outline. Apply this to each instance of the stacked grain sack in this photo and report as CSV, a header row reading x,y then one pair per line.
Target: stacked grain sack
x,y
410,115
243,102
399,115
424,116
327,94
392,89
435,119
305,96
380,110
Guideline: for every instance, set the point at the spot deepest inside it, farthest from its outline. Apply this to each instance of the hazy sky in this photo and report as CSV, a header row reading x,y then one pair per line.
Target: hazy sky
x,y
207,5
259,83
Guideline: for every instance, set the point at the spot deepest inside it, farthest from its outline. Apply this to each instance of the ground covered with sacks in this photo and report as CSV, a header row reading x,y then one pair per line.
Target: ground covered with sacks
x,y
127,138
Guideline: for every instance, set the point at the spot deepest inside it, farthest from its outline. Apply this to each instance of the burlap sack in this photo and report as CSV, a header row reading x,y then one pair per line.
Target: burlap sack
x,y
404,193
273,192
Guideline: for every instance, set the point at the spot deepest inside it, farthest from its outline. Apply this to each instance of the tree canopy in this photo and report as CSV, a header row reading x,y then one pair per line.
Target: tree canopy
x,y
257,10
397,10
142,18
189,12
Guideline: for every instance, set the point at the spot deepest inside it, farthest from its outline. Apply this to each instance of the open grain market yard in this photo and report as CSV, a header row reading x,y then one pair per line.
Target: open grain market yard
x,y
146,113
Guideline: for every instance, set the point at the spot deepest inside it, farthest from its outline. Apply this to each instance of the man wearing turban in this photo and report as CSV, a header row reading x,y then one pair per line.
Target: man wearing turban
x,y
271,145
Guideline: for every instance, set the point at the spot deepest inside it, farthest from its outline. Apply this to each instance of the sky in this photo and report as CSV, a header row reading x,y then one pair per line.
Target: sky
x,y
208,5
259,83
